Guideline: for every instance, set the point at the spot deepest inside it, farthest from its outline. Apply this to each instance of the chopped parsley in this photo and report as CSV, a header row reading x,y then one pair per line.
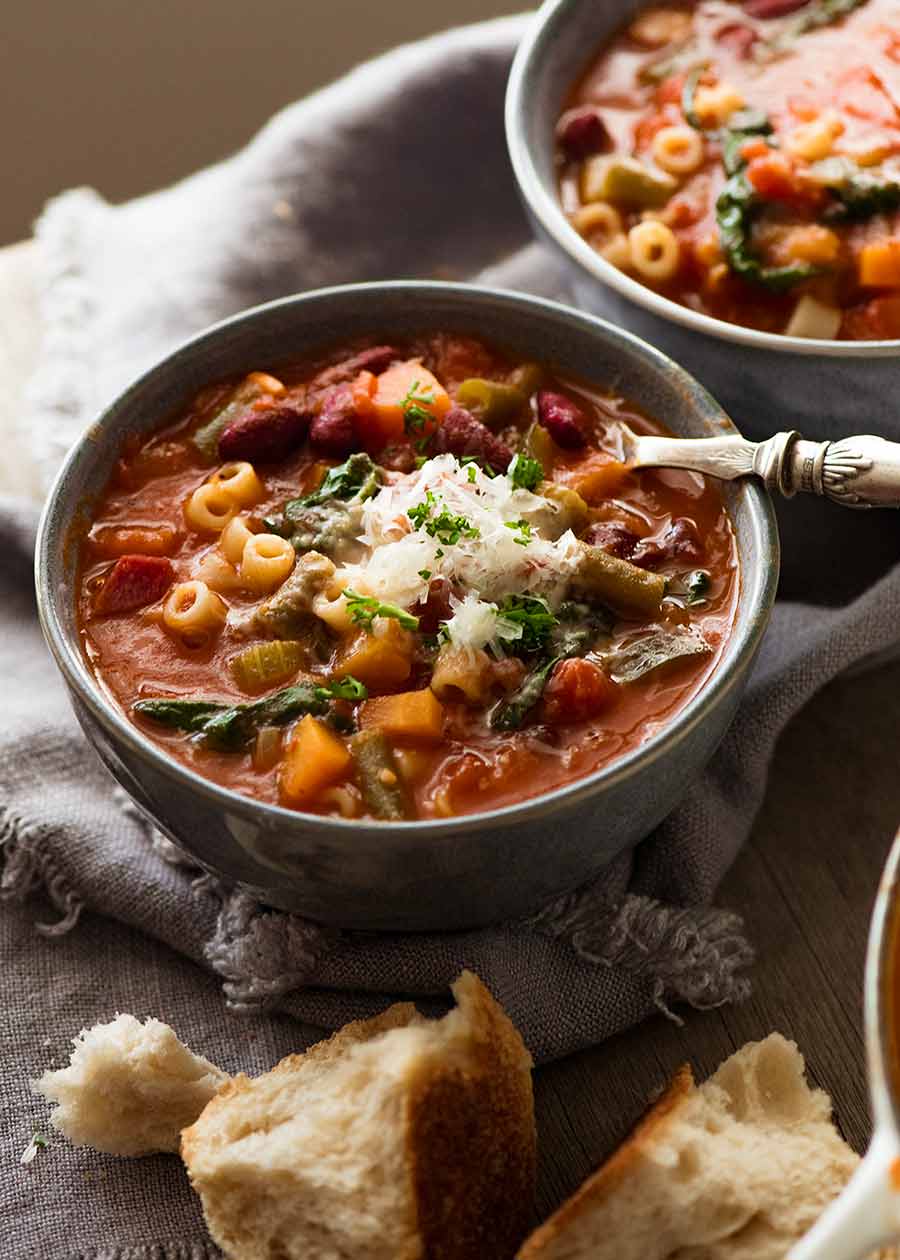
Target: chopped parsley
x,y
348,688
524,472
364,609
472,473
534,616
424,574
524,530
417,415
441,524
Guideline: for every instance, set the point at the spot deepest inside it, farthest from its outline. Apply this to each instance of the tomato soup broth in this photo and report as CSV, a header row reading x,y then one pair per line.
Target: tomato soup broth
x,y
744,160
484,606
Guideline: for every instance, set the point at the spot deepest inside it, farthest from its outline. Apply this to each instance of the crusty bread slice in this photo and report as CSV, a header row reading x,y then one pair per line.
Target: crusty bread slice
x,y
130,1088
737,1169
399,1138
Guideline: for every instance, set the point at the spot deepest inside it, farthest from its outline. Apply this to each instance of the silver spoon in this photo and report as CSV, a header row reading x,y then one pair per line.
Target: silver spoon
x,y
859,472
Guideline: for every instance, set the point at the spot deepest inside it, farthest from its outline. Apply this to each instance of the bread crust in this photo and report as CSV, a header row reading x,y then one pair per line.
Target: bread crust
x,y
646,1134
471,1139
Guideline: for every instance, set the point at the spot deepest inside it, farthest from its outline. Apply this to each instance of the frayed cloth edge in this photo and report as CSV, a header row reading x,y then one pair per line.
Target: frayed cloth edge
x,y
28,864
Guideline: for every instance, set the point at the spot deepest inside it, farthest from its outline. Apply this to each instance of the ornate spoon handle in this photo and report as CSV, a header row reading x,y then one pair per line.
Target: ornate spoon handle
x,y
859,472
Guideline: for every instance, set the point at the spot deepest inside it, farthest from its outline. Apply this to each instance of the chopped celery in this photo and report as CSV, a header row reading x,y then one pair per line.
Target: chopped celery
x,y
265,664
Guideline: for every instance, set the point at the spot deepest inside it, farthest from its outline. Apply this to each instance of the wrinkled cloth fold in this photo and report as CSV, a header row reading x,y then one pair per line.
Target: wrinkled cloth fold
x,y
398,170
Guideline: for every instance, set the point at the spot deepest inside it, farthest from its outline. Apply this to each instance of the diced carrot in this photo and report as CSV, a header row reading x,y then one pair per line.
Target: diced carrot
x,y
413,715
134,582
363,389
876,320
595,477
383,661
879,264
314,759
144,540
408,399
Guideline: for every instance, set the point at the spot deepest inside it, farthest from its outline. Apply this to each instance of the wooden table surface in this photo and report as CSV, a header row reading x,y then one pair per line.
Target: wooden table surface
x,y
804,883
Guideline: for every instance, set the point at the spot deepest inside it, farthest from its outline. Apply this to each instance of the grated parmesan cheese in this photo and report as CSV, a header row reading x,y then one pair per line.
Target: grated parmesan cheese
x,y
497,561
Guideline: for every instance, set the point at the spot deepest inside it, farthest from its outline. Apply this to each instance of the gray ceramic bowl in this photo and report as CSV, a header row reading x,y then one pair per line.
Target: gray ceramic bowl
x,y
826,389
451,873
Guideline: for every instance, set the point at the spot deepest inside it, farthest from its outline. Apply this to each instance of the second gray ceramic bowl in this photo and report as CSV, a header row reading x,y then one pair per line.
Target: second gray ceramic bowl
x,y
826,389
448,873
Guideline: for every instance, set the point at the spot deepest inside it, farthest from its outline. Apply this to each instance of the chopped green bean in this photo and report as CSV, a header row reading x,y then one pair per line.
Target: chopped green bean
x,y
379,780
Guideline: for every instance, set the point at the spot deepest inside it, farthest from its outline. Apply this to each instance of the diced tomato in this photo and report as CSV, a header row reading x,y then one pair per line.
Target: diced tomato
x,y
754,148
876,320
647,127
133,582
775,178
577,690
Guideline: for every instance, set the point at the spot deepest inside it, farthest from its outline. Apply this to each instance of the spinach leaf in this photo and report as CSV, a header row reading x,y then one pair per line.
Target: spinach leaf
x,y
230,728
738,204
358,478
689,589
862,195
651,651
509,714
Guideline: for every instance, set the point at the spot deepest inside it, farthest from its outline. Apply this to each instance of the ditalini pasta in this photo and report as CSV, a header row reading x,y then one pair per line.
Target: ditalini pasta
x,y
763,138
414,580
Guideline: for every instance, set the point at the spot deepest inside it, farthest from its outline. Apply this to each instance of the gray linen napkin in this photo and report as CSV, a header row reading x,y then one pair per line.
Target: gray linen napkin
x,y
399,169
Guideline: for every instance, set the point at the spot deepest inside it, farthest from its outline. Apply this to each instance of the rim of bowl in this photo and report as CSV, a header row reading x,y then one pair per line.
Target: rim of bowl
x,y
881,1004
757,587
547,210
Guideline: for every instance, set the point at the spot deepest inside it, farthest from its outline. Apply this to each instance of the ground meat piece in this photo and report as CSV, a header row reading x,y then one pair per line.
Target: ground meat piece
x,y
614,538
680,541
133,582
462,435
374,359
289,611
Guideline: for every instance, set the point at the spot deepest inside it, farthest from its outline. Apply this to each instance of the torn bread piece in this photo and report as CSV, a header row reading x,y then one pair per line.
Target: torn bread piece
x,y
397,1139
735,1169
130,1088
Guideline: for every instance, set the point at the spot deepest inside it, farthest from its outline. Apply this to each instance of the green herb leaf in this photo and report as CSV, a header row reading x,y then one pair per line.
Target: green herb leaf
x,y
357,478
524,530
415,407
348,688
534,616
364,609
443,525
689,589
524,472
424,574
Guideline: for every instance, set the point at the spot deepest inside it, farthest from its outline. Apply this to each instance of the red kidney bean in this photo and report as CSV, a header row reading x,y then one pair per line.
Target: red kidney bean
x,y
133,582
333,431
772,8
577,690
680,541
614,538
265,433
563,419
460,434
582,131
398,458
437,606
738,39
375,359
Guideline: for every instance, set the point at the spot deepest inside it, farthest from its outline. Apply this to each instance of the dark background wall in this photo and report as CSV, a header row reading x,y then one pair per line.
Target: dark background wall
x,y
129,96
